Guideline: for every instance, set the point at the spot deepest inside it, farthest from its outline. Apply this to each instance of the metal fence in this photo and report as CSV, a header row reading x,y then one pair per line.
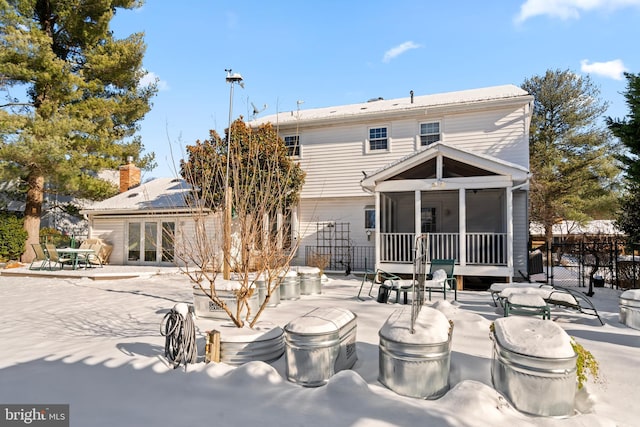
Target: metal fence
x,y
586,263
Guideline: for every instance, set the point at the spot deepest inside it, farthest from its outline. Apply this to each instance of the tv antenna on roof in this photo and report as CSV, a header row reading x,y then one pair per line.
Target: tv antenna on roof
x,y
256,111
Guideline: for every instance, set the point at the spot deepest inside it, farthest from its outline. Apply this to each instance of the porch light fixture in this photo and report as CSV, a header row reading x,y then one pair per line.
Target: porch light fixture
x,y
439,183
368,235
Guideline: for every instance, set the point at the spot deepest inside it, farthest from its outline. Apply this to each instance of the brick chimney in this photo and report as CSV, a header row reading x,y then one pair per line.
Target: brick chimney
x,y
129,175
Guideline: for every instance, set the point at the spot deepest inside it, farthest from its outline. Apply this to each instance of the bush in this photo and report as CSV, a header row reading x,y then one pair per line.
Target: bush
x,y
586,364
628,274
13,237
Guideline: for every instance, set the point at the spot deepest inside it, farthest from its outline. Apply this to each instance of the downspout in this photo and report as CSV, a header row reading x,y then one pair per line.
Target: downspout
x,y
376,234
519,186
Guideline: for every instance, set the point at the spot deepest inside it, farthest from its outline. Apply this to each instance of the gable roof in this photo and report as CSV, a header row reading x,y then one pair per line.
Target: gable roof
x,y
482,161
158,195
458,100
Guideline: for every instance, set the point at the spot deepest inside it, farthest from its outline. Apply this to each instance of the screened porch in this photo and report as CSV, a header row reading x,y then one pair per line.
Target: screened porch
x,y
466,225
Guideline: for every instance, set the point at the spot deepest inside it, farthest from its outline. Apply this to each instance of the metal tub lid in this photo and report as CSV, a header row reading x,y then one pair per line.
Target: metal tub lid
x,y
431,327
320,321
308,271
533,337
630,298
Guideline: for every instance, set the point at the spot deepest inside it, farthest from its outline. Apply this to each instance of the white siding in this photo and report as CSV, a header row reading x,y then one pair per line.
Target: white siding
x,y
339,210
112,231
334,157
498,133
115,232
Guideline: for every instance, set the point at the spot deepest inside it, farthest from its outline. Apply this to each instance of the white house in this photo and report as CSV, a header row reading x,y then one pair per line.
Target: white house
x,y
451,167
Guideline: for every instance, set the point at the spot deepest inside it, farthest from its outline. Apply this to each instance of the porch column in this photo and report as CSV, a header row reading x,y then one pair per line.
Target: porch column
x,y
417,222
462,226
509,191
376,236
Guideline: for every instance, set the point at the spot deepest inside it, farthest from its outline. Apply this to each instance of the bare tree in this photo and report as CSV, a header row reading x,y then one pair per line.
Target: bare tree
x,y
263,184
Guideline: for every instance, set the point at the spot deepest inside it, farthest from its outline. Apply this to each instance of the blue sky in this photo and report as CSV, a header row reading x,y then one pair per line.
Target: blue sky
x,y
344,52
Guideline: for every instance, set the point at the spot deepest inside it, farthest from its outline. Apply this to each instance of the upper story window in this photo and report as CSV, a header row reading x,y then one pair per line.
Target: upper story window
x,y
293,145
378,139
429,133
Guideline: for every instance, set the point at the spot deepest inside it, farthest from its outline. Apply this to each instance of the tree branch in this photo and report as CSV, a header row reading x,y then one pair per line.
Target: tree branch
x,y
17,104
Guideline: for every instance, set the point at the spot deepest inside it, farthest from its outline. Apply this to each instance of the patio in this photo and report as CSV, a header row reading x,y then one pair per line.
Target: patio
x,y
74,335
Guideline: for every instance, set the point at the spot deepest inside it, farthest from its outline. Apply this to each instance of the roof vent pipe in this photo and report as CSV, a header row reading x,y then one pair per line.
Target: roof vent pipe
x,y
411,93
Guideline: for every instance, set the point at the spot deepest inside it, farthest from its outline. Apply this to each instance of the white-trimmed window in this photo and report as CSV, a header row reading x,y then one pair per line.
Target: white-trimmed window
x,y
378,140
293,145
370,217
151,241
429,133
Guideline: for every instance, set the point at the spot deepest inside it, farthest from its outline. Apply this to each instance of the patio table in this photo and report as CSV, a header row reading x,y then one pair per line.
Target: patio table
x,y
73,254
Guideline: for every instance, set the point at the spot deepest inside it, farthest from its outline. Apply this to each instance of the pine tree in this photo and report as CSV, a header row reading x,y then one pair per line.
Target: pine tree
x,y
571,159
628,131
73,99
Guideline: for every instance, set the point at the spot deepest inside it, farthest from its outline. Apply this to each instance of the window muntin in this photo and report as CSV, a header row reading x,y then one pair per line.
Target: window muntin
x,y
168,239
151,241
428,220
429,133
378,139
292,143
133,246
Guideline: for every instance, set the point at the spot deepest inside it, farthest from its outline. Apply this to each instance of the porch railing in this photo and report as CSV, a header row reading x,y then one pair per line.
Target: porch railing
x,y
481,248
487,248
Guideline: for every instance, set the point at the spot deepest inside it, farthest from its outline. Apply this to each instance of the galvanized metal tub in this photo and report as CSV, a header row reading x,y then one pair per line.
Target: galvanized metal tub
x,y
265,342
206,308
630,308
274,300
415,364
290,286
310,280
319,344
543,382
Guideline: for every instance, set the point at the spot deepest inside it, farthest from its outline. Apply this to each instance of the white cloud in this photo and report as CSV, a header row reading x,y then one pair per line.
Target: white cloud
x,y
568,9
152,77
399,50
612,69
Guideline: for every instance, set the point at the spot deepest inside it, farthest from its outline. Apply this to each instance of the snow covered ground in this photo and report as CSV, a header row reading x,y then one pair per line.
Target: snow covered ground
x,y
96,345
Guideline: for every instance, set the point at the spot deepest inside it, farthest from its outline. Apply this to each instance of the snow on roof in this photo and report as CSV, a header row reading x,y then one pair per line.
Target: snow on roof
x,y
602,226
158,194
399,104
